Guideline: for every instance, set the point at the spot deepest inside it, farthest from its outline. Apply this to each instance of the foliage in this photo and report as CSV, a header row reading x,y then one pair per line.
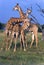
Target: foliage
x,y
43,26
40,29
2,25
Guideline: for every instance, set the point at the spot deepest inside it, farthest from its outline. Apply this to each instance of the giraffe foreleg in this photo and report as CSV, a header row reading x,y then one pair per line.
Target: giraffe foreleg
x,y
23,42
16,41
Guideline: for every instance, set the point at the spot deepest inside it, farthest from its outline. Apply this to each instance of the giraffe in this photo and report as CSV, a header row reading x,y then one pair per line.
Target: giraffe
x,y
19,29
7,35
15,20
22,15
12,20
33,28
10,23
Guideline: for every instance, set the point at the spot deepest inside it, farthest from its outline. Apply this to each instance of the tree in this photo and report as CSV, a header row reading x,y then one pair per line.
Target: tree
x,y
2,26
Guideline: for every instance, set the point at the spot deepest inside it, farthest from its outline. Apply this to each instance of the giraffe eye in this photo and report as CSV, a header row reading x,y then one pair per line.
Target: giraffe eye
x,y
25,21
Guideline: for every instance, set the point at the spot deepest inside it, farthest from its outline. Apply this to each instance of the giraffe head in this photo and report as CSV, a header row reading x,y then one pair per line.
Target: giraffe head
x,y
29,11
26,23
17,7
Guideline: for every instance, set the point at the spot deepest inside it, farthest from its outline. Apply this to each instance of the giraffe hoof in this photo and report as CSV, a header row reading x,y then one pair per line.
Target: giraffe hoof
x,y
8,48
1,48
24,49
30,47
26,46
36,46
14,50
20,48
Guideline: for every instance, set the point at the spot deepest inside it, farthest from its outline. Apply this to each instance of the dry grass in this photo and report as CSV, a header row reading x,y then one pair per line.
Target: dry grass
x,y
33,56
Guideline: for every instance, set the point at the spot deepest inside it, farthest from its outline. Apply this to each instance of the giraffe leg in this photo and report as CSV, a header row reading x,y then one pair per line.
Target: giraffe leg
x,y
16,41
36,40
31,43
7,42
15,45
23,42
32,40
3,43
26,42
7,39
11,40
36,37
10,44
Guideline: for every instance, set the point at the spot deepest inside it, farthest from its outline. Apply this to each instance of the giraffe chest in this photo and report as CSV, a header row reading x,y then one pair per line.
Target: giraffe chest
x,y
16,28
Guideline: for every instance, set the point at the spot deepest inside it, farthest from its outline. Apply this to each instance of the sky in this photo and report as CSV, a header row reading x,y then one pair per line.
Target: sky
x,y
6,9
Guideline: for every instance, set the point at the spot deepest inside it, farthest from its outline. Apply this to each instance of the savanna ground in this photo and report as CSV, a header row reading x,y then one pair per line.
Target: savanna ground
x,y
33,56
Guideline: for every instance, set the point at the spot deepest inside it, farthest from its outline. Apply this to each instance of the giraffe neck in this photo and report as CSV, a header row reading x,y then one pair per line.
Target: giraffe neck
x,y
24,27
21,13
27,15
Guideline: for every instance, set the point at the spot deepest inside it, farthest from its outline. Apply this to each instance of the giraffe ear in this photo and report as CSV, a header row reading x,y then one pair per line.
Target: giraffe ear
x,y
17,4
27,8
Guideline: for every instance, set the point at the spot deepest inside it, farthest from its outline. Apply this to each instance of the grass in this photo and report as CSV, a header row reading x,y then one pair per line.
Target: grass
x,y
33,56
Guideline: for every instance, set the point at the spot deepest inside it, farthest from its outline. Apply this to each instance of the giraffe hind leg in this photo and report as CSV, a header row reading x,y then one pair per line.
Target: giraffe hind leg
x,y
32,40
